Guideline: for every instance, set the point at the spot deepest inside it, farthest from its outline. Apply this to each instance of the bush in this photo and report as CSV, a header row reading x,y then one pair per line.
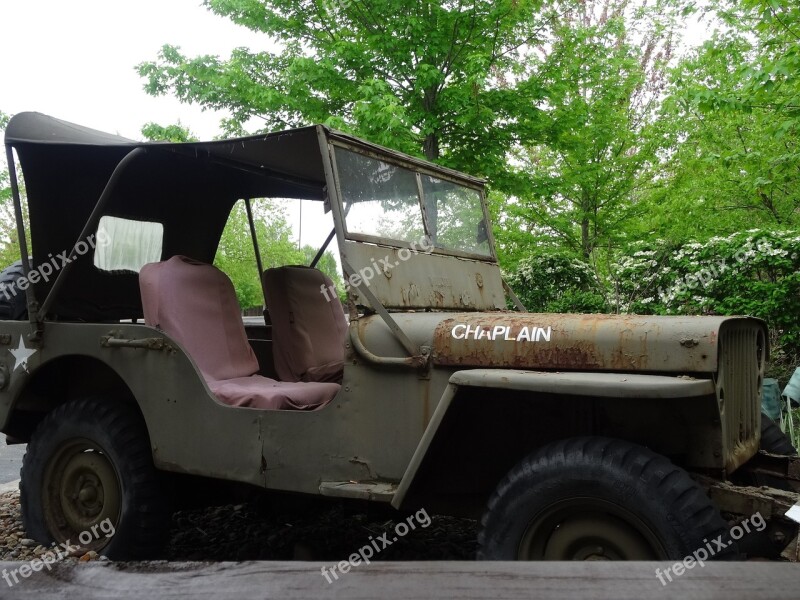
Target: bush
x,y
754,273
558,282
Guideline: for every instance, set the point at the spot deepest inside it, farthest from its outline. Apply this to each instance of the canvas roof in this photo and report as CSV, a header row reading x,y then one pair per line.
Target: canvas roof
x,y
189,187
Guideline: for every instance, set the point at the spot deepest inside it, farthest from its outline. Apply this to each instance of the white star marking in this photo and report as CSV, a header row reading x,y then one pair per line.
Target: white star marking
x,y
21,355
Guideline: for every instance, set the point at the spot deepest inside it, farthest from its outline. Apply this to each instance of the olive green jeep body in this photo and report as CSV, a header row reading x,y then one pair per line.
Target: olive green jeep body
x,y
586,435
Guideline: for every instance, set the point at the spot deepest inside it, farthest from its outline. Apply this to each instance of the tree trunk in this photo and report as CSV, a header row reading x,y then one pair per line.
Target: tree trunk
x,y
586,246
431,147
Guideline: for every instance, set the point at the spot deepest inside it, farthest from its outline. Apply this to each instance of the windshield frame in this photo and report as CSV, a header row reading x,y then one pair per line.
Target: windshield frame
x,y
418,168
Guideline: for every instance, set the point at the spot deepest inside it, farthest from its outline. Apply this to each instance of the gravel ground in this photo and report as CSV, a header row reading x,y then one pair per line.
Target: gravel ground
x,y
15,545
318,531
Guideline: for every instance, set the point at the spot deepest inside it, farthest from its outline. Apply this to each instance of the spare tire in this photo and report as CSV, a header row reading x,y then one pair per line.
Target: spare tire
x,y
13,301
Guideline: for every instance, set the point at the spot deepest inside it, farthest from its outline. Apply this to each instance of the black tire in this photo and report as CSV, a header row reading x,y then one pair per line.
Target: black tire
x,y
773,440
13,301
599,498
88,464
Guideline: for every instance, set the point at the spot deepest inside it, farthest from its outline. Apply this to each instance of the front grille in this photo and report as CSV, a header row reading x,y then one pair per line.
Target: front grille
x,y
742,356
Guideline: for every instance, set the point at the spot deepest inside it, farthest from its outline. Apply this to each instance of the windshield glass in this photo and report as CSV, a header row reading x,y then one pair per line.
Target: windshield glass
x,y
455,216
382,200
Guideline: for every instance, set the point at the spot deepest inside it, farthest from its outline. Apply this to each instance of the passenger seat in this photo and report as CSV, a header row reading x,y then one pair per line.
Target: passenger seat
x,y
309,326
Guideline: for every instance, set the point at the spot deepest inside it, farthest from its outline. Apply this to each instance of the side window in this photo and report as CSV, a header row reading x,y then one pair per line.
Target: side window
x,y
127,245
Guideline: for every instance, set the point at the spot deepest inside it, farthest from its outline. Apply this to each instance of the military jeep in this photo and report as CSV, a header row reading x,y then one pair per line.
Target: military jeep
x,y
570,436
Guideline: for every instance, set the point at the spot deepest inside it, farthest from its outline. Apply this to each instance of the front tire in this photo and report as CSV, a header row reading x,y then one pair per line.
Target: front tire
x,y
88,477
598,499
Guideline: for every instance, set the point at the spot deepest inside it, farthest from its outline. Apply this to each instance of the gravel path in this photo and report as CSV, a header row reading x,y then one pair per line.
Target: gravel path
x,y
315,531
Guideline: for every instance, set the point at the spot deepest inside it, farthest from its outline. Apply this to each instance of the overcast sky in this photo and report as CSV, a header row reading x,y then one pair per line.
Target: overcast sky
x,y
75,59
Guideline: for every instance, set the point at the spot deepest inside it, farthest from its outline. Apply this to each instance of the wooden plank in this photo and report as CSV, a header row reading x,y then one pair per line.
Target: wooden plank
x,y
414,580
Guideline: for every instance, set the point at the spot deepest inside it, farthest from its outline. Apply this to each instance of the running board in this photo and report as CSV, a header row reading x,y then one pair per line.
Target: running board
x,y
381,491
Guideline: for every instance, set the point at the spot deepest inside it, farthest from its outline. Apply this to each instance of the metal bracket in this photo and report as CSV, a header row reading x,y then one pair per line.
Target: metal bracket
x,y
108,341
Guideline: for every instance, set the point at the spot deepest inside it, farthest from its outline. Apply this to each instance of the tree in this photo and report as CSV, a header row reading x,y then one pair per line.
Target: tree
x,y
731,121
603,67
167,133
553,280
426,81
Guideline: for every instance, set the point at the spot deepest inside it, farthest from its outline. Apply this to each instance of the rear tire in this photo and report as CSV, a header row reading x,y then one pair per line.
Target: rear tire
x,y
15,306
598,498
89,468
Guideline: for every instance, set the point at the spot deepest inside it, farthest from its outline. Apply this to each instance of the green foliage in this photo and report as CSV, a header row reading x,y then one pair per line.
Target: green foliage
x,y
445,80
731,166
236,255
5,182
553,281
9,240
170,133
602,70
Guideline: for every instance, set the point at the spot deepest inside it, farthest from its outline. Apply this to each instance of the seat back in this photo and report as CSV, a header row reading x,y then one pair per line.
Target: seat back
x,y
308,326
195,304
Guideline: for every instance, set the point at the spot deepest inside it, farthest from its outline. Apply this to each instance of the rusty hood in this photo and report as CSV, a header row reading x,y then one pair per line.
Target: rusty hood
x,y
626,343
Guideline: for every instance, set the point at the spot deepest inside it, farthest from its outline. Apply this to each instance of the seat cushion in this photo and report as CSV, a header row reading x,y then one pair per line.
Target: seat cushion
x,y
261,392
308,327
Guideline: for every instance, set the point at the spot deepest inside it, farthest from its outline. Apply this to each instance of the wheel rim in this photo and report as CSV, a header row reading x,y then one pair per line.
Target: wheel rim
x,y
588,529
82,490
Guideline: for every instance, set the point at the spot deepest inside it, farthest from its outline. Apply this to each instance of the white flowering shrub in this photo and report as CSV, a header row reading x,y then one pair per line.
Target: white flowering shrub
x,y
553,281
750,273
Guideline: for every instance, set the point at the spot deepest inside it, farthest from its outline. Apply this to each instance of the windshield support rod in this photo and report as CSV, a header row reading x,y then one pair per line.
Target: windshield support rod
x,y
91,223
322,248
514,298
379,308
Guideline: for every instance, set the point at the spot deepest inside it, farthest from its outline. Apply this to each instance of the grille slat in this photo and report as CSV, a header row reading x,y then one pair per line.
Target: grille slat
x,y
741,371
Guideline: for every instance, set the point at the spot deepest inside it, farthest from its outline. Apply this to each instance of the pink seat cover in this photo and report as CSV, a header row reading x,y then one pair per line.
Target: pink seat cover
x,y
308,327
195,304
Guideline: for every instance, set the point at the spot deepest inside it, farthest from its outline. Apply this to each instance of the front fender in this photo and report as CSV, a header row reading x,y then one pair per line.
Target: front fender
x,y
603,385
600,385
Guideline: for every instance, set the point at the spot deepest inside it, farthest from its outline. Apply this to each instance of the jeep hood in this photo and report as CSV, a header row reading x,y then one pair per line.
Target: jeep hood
x,y
570,342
